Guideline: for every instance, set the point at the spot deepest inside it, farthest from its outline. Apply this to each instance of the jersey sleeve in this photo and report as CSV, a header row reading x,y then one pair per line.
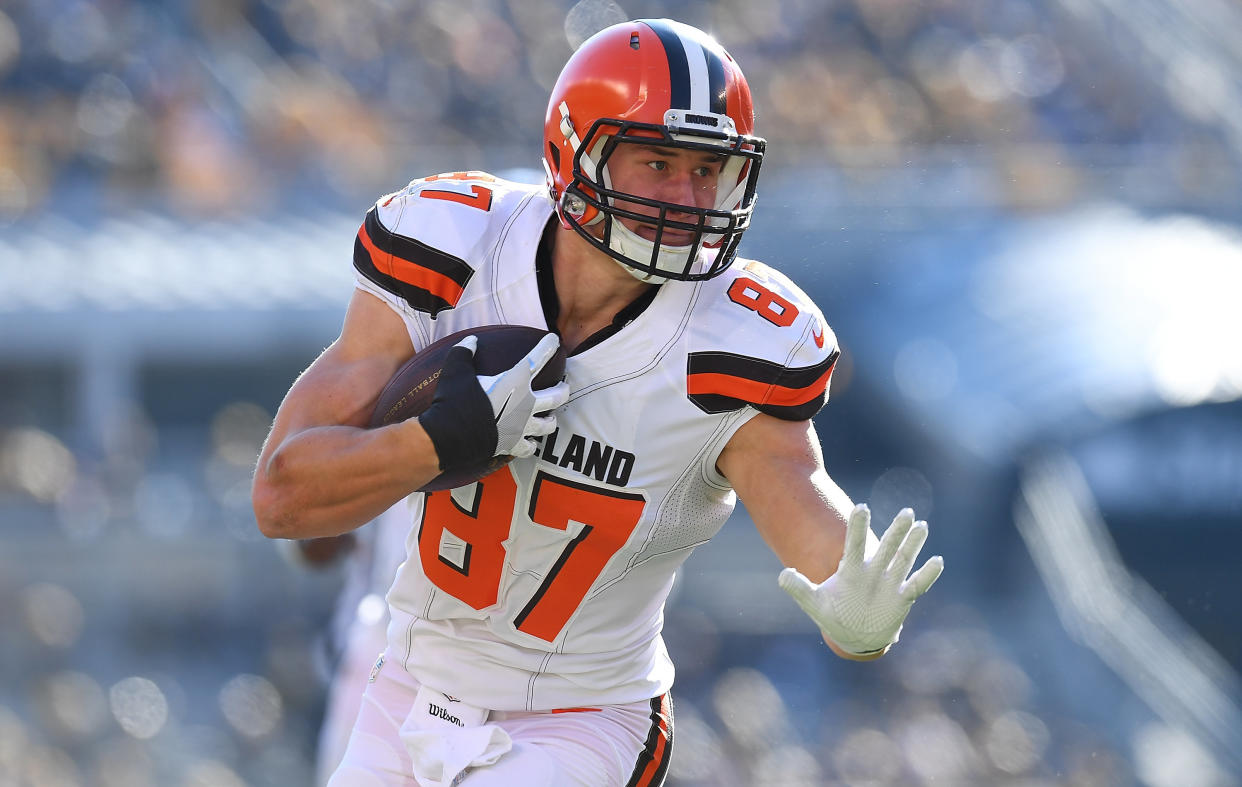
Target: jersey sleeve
x,y
415,243
772,350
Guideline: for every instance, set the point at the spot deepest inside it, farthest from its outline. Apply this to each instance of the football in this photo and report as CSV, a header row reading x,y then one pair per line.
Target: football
x,y
411,390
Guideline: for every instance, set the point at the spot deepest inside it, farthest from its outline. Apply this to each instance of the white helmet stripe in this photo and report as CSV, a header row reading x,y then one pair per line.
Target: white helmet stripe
x,y
696,71
696,63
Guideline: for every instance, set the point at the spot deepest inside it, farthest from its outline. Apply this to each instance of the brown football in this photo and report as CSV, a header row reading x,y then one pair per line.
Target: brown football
x,y
410,391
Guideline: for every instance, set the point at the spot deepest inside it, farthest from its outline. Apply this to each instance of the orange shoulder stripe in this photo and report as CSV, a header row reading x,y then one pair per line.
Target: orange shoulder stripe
x,y
411,273
754,391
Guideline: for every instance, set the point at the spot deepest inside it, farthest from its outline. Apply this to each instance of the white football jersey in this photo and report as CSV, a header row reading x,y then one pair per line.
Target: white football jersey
x,y
543,585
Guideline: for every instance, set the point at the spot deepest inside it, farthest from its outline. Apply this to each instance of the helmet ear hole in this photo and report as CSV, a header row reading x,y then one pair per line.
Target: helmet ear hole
x,y
554,157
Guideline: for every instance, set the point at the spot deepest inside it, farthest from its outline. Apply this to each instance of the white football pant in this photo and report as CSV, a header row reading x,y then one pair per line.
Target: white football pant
x,y
621,745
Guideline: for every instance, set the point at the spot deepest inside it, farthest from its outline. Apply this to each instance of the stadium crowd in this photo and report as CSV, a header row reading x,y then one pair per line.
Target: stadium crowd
x,y
225,108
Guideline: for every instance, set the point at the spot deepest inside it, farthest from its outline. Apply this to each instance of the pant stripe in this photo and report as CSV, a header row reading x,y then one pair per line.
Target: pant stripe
x,y
652,765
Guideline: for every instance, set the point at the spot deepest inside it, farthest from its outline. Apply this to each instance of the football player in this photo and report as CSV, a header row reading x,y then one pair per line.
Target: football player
x,y
524,645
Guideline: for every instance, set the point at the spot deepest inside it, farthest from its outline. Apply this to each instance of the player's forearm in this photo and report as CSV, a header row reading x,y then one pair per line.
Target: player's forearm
x,y
801,519
330,480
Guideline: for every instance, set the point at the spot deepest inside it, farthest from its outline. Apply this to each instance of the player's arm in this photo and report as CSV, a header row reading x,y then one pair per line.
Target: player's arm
x,y
857,594
321,471
777,469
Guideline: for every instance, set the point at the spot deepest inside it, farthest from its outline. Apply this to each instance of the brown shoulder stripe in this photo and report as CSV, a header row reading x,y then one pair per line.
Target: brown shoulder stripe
x,y
718,382
429,279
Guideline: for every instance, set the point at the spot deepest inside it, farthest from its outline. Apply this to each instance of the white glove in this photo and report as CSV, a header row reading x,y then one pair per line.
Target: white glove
x,y
474,417
862,606
521,413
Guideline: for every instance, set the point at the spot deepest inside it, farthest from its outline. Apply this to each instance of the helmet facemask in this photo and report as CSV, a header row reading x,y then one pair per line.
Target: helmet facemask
x,y
589,199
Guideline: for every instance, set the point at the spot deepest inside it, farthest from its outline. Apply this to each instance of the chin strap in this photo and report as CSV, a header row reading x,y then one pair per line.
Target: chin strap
x,y
630,244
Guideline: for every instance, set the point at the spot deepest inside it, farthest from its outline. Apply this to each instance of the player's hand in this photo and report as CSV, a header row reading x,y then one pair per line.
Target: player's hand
x,y
862,606
475,417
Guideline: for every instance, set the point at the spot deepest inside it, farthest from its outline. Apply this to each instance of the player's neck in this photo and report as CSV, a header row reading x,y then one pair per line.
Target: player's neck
x,y
590,286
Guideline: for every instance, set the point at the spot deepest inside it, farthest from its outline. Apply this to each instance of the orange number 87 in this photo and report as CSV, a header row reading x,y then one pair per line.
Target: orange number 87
x,y
608,518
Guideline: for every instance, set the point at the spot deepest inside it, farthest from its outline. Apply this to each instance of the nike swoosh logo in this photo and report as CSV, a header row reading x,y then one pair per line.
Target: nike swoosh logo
x,y
501,411
818,336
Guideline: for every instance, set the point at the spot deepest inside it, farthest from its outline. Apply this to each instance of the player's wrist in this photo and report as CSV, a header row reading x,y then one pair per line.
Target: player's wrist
x,y
420,459
851,655
458,441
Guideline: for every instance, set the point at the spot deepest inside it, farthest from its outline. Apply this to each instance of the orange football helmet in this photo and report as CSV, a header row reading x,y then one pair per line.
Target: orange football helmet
x,y
661,83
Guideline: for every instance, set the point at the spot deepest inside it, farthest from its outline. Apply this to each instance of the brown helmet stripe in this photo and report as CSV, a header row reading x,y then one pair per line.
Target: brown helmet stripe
x,y
696,69
717,87
678,67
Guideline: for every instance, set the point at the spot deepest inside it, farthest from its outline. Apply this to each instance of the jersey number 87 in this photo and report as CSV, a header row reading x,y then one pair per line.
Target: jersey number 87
x,y
608,519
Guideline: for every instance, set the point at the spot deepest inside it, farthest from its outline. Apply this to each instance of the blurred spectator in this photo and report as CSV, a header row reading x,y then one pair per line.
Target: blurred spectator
x,y
209,108
356,635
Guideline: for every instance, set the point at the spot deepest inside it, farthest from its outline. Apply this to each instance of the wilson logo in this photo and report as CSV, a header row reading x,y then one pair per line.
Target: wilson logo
x,y
437,711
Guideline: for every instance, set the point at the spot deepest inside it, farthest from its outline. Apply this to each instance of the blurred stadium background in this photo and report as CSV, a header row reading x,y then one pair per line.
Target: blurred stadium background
x,y
1020,216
